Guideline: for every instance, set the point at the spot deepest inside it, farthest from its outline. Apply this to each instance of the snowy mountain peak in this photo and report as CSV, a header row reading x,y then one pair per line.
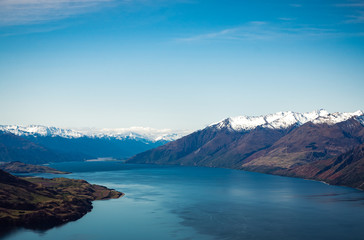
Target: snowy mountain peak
x,y
281,120
40,130
137,133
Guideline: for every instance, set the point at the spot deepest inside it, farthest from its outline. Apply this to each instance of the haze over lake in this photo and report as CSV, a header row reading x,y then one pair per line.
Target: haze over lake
x,y
170,202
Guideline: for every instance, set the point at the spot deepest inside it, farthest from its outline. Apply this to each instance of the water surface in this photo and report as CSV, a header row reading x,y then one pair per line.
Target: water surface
x,y
170,202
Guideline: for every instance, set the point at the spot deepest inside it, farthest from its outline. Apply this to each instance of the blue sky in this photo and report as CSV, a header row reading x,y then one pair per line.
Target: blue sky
x,y
179,64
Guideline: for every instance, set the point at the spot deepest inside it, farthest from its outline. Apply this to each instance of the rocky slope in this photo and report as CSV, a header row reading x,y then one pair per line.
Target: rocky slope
x,y
211,148
346,169
40,203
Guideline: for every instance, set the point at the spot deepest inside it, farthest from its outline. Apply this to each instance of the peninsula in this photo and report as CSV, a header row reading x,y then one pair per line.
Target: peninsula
x,y
39,203
20,167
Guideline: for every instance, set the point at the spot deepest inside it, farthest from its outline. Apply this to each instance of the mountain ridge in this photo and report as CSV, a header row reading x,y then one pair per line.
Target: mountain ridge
x,y
286,119
40,144
257,146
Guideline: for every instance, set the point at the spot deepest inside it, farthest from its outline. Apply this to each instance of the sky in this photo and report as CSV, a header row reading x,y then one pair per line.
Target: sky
x,y
177,64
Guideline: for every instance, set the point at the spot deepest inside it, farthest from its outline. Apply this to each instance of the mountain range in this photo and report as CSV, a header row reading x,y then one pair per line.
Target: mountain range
x,y
307,145
316,145
146,134
40,144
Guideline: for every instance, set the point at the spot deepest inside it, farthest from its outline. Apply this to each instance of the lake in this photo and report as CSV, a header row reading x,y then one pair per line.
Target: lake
x,y
172,202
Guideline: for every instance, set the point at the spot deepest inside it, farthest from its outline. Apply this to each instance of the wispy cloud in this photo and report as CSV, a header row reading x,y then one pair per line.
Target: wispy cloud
x,y
267,31
352,4
17,12
295,5
226,33
32,30
358,11
357,18
286,19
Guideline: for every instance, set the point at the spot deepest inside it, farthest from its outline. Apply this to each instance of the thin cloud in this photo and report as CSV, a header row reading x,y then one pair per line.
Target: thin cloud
x,y
358,18
214,35
267,31
358,12
352,4
295,5
16,32
23,12
17,12
286,19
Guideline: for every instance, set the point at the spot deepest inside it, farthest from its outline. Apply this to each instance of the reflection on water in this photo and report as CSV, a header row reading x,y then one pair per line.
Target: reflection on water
x,y
202,203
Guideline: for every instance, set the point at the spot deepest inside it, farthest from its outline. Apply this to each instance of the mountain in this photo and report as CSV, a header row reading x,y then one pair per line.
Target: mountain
x,y
40,203
57,144
267,144
212,147
308,143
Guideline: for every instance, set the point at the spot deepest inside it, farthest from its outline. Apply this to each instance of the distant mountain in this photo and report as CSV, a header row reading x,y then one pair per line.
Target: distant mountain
x,y
268,144
40,144
16,148
134,133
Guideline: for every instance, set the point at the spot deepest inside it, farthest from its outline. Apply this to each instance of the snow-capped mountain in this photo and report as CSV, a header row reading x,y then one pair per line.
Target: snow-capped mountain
x,y
327,145
39,130
148,133
39,144
137,133
282,120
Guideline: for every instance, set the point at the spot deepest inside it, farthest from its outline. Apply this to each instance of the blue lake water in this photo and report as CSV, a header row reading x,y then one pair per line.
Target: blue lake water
x,y
170,202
